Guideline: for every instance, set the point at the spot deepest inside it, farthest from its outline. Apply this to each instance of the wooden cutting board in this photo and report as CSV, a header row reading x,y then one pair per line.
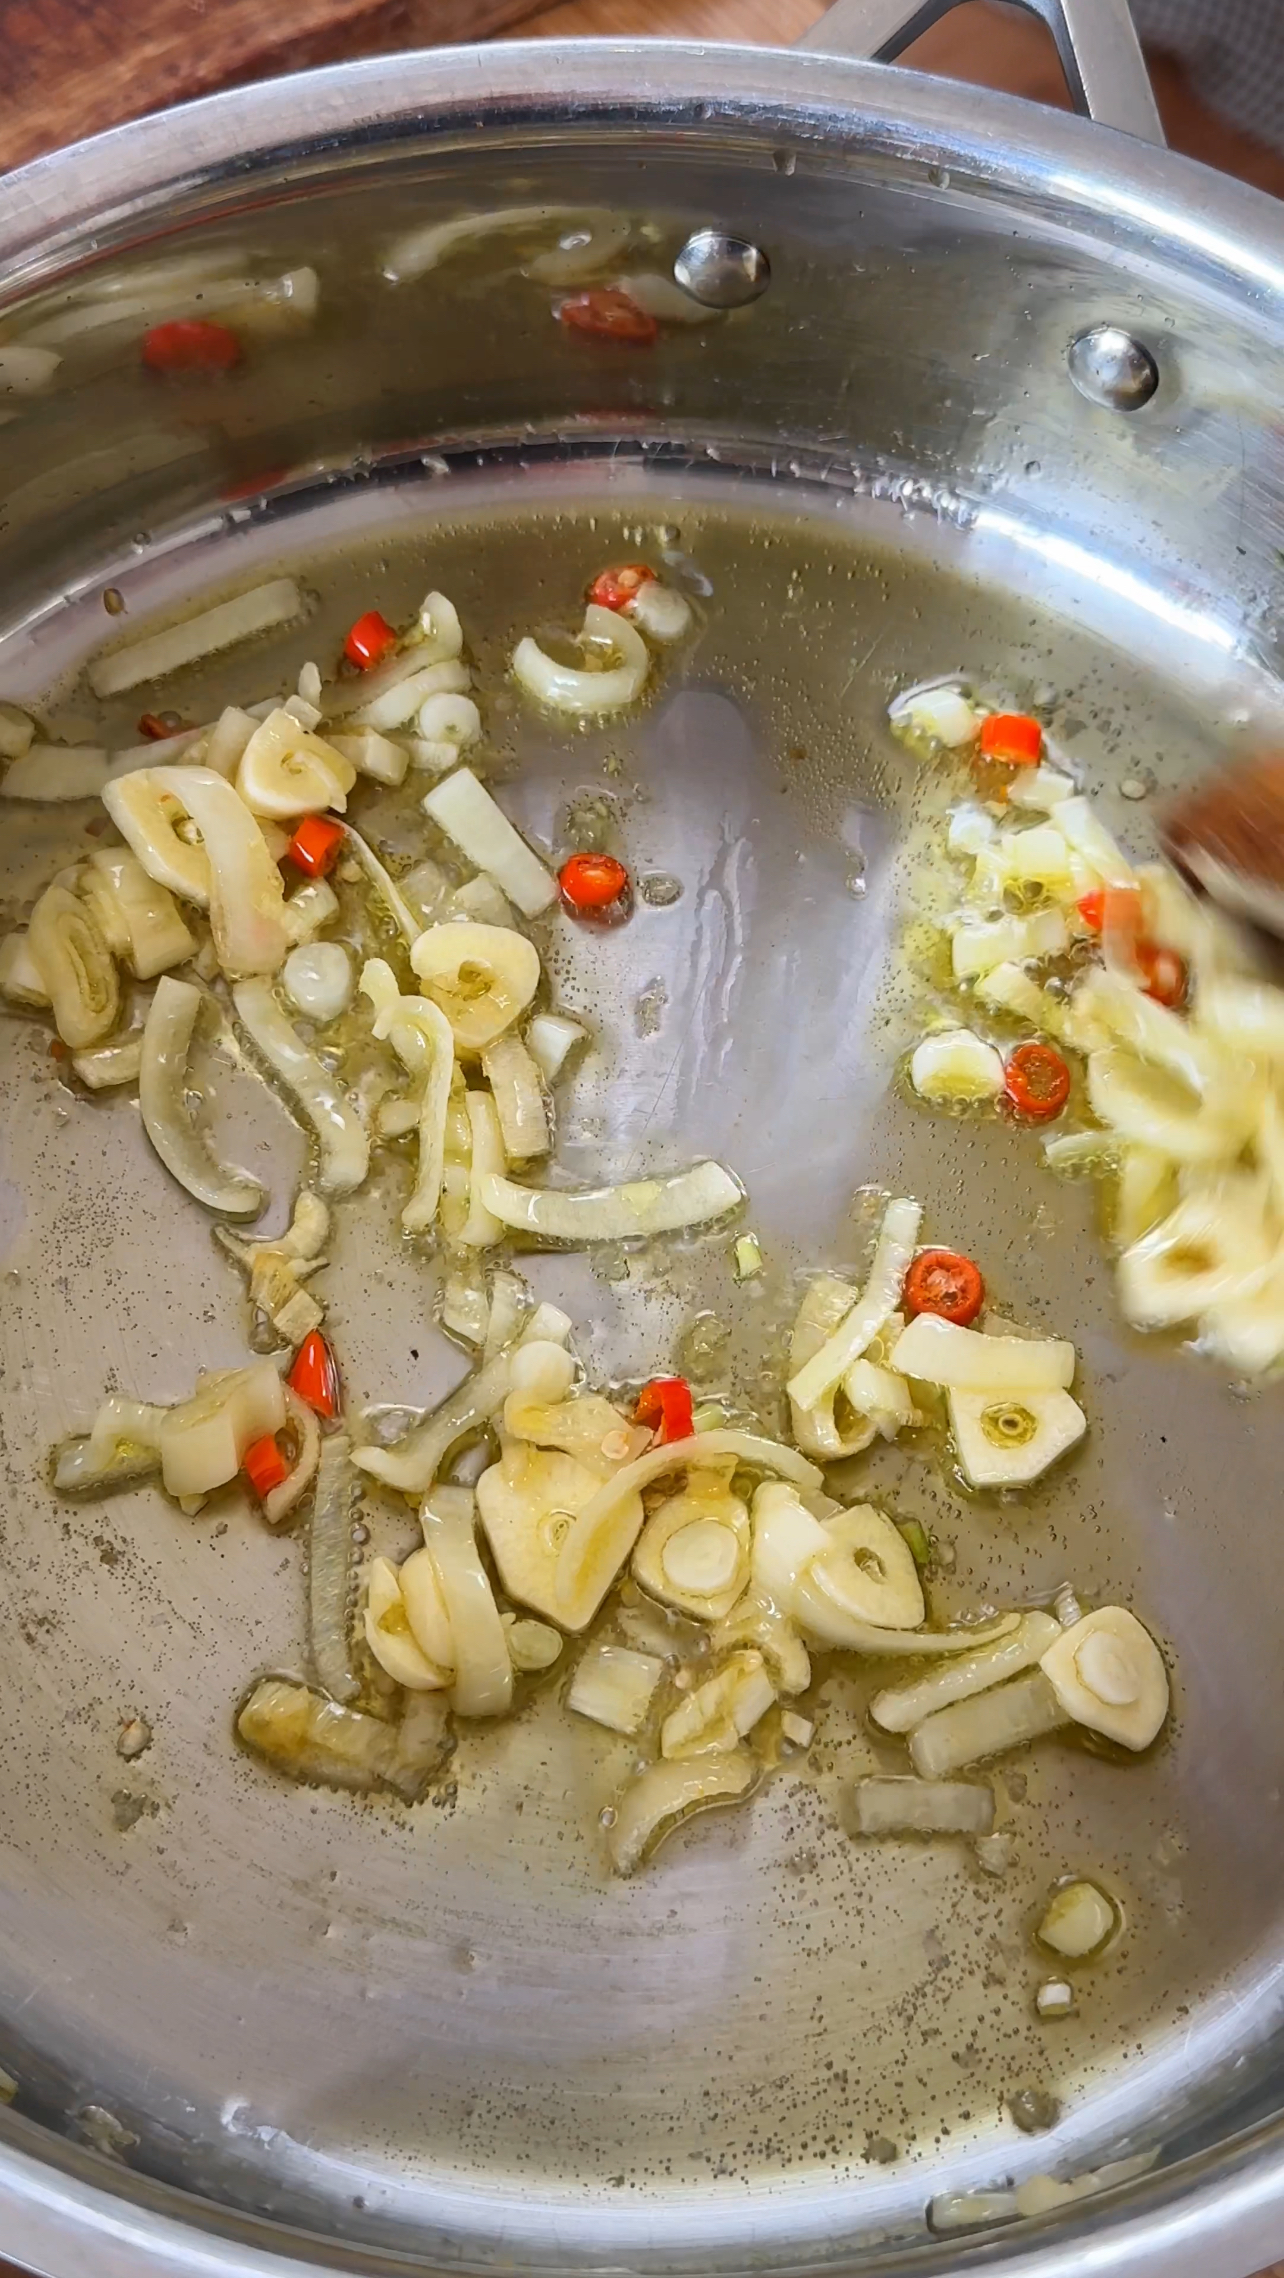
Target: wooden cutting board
x,y
72,67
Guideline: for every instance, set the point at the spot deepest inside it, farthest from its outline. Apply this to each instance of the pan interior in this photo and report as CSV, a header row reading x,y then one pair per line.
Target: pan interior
x,y
401,2029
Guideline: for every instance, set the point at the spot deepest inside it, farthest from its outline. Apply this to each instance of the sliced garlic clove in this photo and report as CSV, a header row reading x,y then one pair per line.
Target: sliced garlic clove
x,y
1006,1440
786,1538
867,1574
426,1613
1108,1674
286,770
388,1632
482,976
957,1065
693,1553
318,979
532,1645
1078,1921
754,1622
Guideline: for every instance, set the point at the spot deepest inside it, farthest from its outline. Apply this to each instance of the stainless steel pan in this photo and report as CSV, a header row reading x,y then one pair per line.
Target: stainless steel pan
x,y
1012,396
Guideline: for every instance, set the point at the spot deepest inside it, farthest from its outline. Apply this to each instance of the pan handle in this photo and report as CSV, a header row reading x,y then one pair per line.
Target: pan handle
x,y
1096,41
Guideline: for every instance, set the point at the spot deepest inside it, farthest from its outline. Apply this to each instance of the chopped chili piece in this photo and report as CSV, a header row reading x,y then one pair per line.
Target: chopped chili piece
x,y
1037,1082
665,1404
315,845
944,1282
315,1375
1092,908
1014,737
58,1050
369,640
615,588
156,726
264,1466
595,886
1163,974
190,344
609,314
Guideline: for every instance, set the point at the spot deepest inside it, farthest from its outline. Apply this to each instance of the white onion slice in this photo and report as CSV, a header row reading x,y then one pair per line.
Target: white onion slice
x,y
20,981
203,1440
893,1252
663,613
1148,1104
570,688
901,1707
344,1147
413,1464
378,756
408,924
309,907
978,945
664,299
281,1501
185,1152
1043,788
139,919
483,1672
552,1037
1083,830
445,725
939,1352
330,1555
721,1712
465,810
75,967
922,1807
518,1094
55,774
317,1741
159,654
987,1725
421,1037
17,730
481,1229
25,370
603,232
614,1686
667,1794
615,1213
105,1065
956,1064
123,1445
398,704
938,709
247,899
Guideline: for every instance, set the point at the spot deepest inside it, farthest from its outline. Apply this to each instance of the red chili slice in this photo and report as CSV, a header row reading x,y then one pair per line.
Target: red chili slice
x,y
1013,737
156,728
595,886
264,1466
1037,1082
1163,974
665,1405
315,845
190,344
609,314
369,640
944,1282
615,588
315,1375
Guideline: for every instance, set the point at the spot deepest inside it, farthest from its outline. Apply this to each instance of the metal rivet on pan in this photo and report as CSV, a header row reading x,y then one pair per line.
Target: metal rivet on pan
x,y
1112,369
721,271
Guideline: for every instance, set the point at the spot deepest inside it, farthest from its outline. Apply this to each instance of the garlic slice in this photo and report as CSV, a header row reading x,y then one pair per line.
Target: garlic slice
x,y
532,1645
939,711
1008,1439
588,694
318,979
1078,1921
147,812
75,967
527,1504
877,1301
719,1713
1108,1673
693,1553
978,944
389,1634
426,1612
286,770
956,1065
754,1621
482,976
246,896
823,1430
614,1686
866,1574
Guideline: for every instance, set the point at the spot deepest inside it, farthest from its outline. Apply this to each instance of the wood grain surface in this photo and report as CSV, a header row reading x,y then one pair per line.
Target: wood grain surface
x,y
71,67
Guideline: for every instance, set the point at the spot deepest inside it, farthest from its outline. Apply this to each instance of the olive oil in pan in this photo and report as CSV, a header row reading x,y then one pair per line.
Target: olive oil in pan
x,y
772,2000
